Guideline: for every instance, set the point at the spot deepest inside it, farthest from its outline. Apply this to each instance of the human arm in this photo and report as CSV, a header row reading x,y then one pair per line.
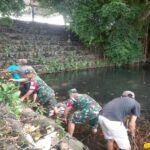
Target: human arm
x,y
19,80
5,74
135,113
26,95
132,125
34,97
66,112
5,71
32,88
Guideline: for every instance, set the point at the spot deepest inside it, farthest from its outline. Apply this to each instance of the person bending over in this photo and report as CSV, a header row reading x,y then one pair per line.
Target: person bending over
x,y
10,69
87,110
45,94
24,86
112,116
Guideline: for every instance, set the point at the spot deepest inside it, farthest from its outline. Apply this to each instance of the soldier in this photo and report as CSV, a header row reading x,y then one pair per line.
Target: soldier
x,y
87,110
45,94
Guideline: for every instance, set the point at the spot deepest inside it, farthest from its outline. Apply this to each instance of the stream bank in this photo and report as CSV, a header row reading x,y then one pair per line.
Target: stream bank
x,y
32,131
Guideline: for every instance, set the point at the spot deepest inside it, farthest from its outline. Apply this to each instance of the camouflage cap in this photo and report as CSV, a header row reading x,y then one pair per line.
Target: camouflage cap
x,y
72,91
28,71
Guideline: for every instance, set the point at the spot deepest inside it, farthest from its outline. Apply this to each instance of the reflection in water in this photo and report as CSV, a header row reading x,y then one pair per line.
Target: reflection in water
x,y
103,85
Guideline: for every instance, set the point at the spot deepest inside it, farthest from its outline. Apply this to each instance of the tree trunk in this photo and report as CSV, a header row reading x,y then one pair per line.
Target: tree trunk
x,y
147,45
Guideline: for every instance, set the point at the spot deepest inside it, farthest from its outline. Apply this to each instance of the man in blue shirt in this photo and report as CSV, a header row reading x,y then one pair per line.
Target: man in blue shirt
x,y
13,67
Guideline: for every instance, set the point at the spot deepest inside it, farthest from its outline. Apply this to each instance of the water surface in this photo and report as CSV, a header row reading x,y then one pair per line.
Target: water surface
x,y
104,84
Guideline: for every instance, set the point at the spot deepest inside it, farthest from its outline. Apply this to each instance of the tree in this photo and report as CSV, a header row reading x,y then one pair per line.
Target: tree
x,y
112,26
8,7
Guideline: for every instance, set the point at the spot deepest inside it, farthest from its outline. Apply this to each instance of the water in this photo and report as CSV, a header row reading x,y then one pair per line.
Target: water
x,y
103,85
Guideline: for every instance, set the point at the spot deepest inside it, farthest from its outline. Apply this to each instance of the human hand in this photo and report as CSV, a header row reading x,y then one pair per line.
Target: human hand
x,y
65,120
13,80
131,128
94,130
22,99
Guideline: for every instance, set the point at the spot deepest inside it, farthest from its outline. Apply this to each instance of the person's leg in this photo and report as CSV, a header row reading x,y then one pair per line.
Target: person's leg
x,y
110,144
106,126
34,97
93,123
50,103
53,103
128,149
71,128
78,117
120,136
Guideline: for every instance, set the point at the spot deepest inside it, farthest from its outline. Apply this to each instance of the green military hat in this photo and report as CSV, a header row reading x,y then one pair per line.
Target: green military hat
x,y
28,71
72,91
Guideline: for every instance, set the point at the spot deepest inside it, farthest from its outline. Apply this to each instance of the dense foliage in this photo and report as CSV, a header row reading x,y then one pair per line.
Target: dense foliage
x,y
8,7
112,26
9,94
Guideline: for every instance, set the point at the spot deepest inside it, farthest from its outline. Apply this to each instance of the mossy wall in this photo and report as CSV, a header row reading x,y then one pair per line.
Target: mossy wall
x,y
40,44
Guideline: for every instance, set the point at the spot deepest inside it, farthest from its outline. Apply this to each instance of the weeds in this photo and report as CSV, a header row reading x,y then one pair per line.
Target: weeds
x,y
36,106
9,94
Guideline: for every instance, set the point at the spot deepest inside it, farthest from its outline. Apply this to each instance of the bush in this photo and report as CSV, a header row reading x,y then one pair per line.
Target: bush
x,y
10,96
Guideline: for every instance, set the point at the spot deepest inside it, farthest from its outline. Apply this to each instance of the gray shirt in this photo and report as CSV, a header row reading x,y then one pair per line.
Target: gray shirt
x,y
118,108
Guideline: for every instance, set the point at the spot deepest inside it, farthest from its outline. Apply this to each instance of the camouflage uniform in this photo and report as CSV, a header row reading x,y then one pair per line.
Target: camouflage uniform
x,y
45,94
89,110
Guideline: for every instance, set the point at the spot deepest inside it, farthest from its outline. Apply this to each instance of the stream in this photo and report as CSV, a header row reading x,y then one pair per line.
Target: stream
x,y
103,84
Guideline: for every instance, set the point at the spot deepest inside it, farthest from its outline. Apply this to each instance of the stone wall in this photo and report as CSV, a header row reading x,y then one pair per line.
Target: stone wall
x,y
39,43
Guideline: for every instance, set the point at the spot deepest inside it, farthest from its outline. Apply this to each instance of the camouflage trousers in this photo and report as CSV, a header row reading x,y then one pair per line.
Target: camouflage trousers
x,y
85,116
